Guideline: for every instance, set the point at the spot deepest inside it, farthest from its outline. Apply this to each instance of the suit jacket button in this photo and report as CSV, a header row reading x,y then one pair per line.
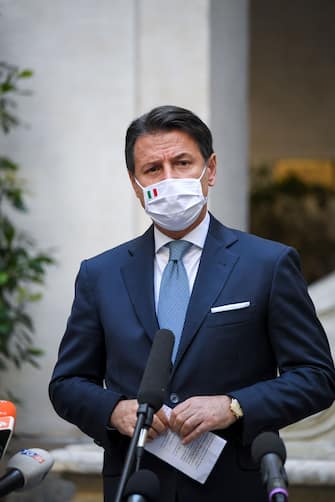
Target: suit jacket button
x,y
174,398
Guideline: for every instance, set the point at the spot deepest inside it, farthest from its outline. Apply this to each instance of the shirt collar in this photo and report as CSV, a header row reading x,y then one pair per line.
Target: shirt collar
x,y
197,236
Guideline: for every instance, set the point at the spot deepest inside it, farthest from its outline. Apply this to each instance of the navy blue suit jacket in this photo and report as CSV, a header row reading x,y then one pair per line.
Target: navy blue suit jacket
x,y
273,356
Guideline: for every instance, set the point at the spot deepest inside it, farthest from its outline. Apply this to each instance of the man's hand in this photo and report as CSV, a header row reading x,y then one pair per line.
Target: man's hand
x,y
201,414
124,418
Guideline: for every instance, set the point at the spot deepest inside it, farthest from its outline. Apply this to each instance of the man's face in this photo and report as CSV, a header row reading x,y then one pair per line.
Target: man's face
x,y
169,154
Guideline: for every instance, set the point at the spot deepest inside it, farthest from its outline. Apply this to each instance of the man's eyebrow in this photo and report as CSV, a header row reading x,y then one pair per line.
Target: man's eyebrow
x,y
175,157
151,161
183,154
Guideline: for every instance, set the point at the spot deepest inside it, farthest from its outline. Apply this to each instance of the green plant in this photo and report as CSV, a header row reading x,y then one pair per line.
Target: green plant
x,y
297,213
22,267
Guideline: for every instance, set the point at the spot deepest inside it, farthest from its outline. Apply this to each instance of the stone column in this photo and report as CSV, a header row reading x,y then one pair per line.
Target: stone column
x,y
229,108
172,60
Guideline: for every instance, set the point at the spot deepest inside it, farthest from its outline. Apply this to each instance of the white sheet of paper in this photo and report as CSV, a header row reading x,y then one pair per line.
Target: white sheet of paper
x,y
196,459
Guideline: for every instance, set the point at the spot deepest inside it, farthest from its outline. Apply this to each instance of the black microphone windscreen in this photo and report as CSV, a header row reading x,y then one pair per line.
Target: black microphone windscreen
x,y
268,442
145,483
157,371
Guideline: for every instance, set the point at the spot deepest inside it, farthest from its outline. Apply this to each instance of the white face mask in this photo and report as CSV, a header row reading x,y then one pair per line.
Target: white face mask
x,y
174,203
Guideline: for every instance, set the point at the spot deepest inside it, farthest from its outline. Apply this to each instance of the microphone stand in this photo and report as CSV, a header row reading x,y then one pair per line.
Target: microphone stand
x,y
145,415
143,436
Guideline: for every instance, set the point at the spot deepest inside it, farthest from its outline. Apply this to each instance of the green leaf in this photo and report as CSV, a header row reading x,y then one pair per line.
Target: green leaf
x,y
3,278
35,297
34,363
26,73
9,231
7,164
5,328
6,87
15,196
34,351
26,320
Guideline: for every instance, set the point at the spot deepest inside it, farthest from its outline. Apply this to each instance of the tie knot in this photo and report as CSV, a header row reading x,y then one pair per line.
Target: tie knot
x,y
178,249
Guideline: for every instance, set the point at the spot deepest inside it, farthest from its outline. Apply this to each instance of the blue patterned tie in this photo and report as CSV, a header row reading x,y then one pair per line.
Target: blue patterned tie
x,y
174,293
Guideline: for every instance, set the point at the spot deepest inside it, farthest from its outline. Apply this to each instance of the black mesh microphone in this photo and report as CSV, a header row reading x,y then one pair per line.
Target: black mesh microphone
x,y
156,375
154,382
151,397
142,486
268,451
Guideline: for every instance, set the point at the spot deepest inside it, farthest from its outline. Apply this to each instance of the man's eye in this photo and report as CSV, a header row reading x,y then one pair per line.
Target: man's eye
x,y
183,163
152,169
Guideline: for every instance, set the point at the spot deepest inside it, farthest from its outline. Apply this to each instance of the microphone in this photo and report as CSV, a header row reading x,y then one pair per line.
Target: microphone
x,y
152,391
268,451
7,424
157,371
26,469
142,486
150,396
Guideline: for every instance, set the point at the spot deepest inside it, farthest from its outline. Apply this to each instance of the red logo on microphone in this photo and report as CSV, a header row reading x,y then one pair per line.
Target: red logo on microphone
x,y
34,455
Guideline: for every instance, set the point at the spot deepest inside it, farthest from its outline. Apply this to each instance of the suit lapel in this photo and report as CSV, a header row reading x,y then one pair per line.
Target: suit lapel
x,y
216,265
138,276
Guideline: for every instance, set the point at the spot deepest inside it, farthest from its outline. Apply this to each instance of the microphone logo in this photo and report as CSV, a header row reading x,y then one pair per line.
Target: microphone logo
x,y
6,423
34,455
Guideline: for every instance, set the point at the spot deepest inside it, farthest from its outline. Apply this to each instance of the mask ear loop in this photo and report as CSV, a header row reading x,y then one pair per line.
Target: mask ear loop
x,y
199,179
138,183
203,172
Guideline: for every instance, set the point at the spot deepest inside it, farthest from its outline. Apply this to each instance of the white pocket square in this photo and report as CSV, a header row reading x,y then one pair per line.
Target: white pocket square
x,y
230,306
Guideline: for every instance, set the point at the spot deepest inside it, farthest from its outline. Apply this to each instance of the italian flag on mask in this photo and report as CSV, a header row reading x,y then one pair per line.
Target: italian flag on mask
x,y
152,193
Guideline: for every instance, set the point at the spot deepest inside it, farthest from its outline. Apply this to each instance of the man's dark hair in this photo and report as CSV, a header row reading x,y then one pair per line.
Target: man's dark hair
x,y
168,118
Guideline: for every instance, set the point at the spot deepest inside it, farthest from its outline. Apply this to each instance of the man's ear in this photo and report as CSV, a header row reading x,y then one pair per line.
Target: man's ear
x,y
211,166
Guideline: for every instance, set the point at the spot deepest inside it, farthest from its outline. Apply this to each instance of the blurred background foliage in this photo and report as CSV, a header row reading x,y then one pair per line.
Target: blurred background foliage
x,y
22,266
297,212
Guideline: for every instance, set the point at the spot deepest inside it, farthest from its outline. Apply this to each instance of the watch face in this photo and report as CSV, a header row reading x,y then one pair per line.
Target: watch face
x,y
236,408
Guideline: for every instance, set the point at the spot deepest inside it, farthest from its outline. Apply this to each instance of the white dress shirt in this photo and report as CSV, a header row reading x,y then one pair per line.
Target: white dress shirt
x,y
191,258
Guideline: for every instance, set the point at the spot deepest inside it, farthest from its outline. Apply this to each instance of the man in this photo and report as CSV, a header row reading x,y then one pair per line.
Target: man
x,y
252,355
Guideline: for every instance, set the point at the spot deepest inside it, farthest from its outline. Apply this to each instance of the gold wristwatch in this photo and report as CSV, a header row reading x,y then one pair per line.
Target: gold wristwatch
x,y
236,409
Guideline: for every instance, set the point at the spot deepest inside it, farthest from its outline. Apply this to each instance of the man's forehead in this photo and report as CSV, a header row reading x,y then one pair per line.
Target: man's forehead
x,y
173,142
